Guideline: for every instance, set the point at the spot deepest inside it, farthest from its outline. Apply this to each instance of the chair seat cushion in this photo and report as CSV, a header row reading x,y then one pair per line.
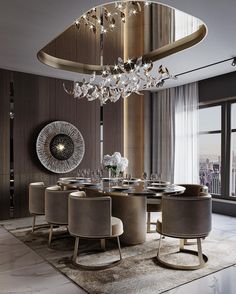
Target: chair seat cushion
x,y
117,226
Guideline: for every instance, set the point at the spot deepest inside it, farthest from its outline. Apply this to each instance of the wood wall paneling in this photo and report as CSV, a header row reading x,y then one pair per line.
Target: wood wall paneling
x,y
88,118
39,101
113,128
5,144
65,44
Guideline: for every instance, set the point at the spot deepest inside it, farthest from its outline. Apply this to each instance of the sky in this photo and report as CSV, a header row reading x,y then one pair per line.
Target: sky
x,y
210,120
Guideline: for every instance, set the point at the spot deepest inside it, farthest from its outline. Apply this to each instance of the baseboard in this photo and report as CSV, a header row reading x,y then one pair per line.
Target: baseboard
x,y
222,206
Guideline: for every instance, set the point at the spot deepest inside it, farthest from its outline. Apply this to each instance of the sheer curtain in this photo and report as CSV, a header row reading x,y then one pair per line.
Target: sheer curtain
x,y
173,112
186,165
163,130
175,134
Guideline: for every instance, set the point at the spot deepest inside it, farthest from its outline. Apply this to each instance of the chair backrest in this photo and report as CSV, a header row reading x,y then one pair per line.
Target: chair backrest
x,y
89,217
37,198
194,190
92,192
186,217
56,205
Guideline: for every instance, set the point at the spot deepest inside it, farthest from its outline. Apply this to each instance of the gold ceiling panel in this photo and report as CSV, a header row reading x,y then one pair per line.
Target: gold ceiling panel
x,y
79,50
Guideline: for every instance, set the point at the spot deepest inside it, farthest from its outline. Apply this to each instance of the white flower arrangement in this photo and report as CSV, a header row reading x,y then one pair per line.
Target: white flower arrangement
x,y
116,163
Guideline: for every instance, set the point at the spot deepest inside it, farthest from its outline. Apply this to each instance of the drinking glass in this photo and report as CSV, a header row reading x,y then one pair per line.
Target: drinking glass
x,y
145,183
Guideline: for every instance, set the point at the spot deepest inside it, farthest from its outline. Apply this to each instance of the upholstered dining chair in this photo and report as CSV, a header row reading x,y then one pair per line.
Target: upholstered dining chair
x,y
90,217
67,185
153,205
185,217
36,200
193,190
56,207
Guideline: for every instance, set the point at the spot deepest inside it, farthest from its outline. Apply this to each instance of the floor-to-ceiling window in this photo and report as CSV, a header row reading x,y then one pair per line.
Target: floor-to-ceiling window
x,y
217,149
210,148
233,152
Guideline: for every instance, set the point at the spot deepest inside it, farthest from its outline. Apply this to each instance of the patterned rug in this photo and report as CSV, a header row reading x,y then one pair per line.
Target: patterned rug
x,y
139,272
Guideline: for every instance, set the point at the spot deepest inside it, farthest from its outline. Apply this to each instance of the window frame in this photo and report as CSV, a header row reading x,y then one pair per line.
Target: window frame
x,y
214,132
225,145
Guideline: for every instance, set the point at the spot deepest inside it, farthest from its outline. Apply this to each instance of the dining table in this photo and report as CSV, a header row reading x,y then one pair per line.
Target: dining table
x,y
129,200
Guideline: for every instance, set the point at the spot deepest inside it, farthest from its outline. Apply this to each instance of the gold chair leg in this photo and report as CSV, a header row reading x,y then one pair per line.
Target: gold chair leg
x,y
201,257
103,244
118,242
199,249
76,249
149,222
75,260
187,242
33,225
181,244
50,235
159,246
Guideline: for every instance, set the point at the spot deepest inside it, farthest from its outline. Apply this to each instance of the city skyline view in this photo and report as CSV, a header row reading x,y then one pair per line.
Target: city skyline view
x,y
210,149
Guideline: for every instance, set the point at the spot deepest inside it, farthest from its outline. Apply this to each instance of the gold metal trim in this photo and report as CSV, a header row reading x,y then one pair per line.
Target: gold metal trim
x,y
94,267
201,257
154,55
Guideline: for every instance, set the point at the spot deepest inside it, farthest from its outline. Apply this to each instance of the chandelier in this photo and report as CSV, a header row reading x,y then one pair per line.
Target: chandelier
x,y
124,78
119,81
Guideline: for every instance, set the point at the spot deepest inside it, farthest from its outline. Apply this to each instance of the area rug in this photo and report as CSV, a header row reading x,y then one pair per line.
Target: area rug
x,y
138,273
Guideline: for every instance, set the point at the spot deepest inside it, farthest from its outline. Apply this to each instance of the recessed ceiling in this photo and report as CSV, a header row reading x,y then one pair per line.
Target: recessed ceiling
x,y
27,26
108,32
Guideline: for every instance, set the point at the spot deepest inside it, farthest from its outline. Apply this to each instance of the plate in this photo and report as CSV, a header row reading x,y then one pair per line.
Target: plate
x,y
75,180
151,193
175,190
83,179
90,184
120,188
159,185
110,179
158,188
131,180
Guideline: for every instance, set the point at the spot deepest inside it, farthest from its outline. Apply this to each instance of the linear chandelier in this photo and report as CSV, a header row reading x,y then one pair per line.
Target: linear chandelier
x,y
119,81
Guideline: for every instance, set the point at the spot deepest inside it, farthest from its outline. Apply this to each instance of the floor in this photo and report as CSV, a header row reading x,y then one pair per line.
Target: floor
x,y
23,271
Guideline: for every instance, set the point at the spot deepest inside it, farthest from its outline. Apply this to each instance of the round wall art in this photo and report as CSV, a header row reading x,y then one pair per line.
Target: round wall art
x,y
60,147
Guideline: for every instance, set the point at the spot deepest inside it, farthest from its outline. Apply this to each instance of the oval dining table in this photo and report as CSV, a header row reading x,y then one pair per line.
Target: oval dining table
x,y
129,203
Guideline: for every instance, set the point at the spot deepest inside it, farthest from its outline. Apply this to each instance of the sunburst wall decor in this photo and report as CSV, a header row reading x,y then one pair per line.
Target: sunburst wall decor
x,y
60,147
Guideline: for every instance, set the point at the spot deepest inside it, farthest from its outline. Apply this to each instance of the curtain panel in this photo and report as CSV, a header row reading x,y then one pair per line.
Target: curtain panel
x,y
186,165
163,131
174,146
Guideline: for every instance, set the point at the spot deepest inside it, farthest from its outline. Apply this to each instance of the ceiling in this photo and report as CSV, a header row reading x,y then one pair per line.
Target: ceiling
x,y
26,26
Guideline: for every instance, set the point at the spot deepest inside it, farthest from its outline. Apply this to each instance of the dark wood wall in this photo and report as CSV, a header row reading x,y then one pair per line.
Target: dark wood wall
x,y
218,88
38,101
113,127
84,46
4,144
